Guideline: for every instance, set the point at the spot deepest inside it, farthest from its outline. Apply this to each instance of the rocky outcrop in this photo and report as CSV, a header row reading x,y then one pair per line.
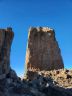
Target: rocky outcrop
x,y
61,77
43,84
6,37
43,52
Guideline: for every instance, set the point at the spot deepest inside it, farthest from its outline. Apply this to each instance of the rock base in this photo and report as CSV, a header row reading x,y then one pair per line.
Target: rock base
x,y
45,83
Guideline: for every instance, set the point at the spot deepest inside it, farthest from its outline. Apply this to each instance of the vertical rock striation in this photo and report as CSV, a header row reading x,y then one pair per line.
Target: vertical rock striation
x,y
43,52
6,37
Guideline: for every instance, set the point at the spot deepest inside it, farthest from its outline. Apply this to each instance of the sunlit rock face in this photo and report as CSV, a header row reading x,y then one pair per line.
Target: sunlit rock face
x,y
43,51
6,37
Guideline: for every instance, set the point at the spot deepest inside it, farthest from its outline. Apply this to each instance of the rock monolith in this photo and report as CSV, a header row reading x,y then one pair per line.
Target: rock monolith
x,y
43,51
6,37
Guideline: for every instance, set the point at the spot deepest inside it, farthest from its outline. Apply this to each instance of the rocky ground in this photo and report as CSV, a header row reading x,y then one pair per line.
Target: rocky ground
x,y
61,77
39,83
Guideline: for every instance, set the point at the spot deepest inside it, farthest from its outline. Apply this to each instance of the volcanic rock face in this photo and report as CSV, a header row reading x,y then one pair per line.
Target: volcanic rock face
x,y
43,52
6,37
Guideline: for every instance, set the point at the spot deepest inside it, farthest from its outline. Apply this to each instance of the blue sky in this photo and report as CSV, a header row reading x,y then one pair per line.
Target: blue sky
x,y
21,14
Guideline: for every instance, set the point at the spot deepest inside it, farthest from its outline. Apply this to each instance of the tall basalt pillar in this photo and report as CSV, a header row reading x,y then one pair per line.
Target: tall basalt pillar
x,y
43,51
6,37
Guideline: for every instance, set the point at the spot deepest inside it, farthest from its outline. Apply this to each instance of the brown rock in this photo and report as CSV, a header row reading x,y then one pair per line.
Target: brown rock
x,y
43,52
6,37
